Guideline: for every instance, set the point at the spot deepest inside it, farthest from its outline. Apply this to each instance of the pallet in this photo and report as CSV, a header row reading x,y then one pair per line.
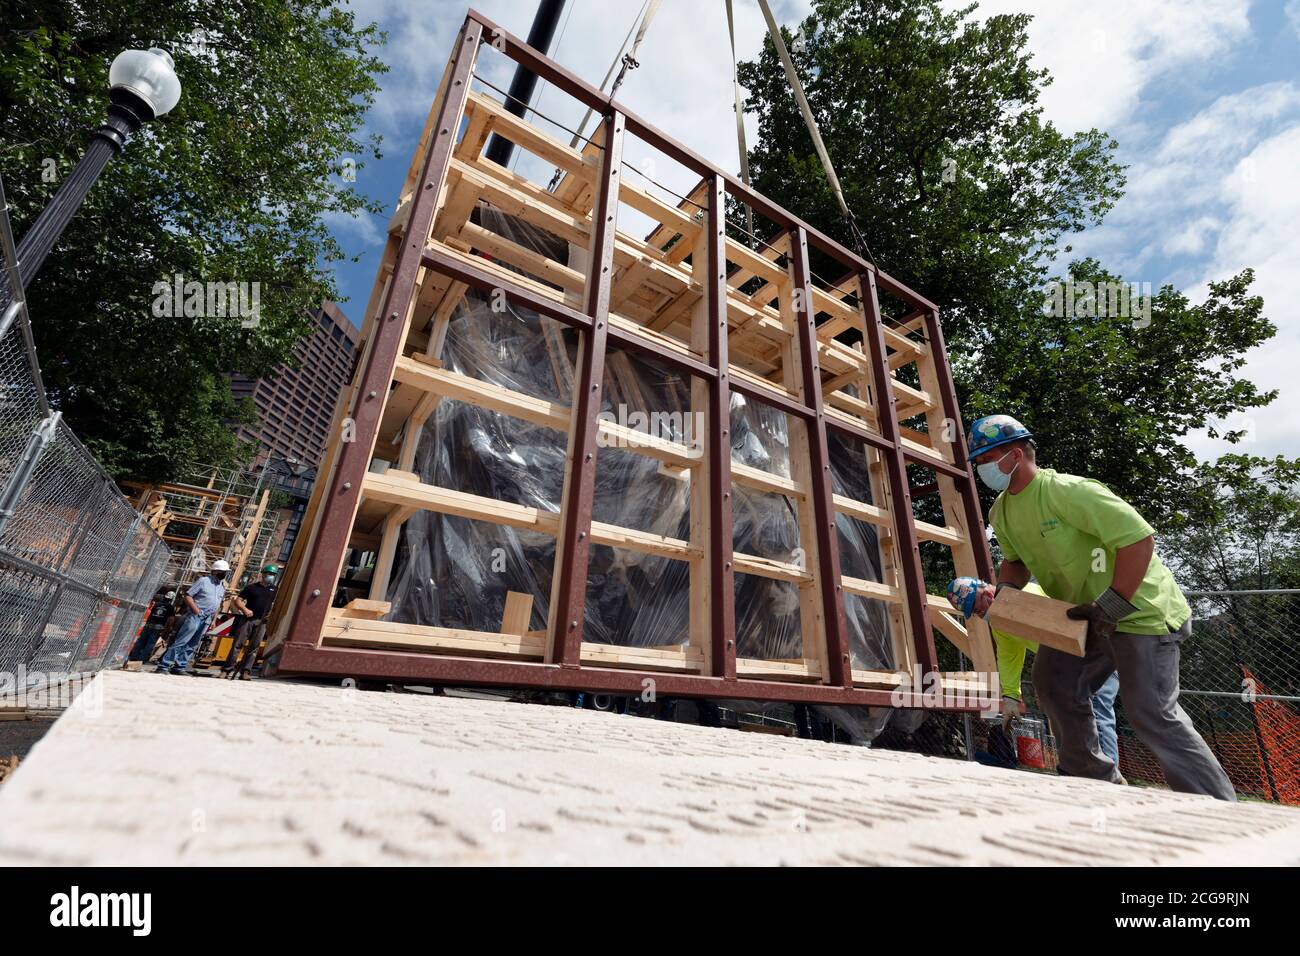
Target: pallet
x,y
733,318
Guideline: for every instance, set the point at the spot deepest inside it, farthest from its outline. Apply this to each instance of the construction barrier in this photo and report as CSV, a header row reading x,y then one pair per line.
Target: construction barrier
x,y
78,566
1240,682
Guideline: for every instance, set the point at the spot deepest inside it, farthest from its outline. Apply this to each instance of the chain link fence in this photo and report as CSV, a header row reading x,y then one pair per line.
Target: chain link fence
x,y
78,566
1240,682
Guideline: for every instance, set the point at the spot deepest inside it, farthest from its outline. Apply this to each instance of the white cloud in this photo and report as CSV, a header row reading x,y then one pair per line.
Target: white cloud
x,y
1193,237
1104,54
362,231
1262,196
1208,197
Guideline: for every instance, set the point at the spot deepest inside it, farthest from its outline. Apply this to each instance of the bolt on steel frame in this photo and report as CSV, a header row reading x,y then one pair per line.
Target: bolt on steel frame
x,y
690,316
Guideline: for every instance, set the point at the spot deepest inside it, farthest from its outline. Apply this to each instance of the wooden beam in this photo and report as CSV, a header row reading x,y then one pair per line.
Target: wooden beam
x,y
1033,617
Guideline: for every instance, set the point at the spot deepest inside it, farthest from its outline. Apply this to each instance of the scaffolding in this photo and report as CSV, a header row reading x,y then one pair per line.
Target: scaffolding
x,y
211,514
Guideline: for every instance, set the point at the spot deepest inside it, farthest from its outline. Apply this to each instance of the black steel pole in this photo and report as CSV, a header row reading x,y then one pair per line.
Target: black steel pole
x,y
126,114
525,80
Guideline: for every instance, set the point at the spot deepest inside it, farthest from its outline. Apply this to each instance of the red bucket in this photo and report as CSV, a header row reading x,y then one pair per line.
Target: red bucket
x,y
1029,744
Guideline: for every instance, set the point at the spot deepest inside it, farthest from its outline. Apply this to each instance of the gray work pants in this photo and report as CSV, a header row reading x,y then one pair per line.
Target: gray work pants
x,y
1148,680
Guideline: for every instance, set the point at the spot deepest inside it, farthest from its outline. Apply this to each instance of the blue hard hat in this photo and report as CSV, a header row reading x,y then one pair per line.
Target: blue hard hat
x,y
962,593
992,431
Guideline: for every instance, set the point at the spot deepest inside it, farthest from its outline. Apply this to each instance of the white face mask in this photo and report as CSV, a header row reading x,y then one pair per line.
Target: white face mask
x,y
993,476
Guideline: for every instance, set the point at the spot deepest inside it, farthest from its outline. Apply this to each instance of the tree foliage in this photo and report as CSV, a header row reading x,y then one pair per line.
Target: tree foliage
x,y
1243,526
1115,397
231,186
932,120
968,194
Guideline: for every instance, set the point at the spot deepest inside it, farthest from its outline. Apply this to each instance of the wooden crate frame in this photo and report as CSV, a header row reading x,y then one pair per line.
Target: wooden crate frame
x,y
675,296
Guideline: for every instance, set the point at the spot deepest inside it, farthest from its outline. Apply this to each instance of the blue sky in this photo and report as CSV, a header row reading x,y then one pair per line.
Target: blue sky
x,y
1202,95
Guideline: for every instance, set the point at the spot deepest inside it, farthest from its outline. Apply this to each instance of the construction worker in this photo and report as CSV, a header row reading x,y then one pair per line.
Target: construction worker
x,y
1011,650
1086,545
160,613
201,602
253,603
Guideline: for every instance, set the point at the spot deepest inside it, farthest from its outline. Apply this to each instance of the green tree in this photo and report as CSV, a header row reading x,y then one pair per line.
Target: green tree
x,y
965,192
1115,396
1242,529
231,186
932,120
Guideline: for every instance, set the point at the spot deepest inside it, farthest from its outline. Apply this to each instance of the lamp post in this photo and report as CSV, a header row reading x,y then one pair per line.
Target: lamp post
x,y
143,85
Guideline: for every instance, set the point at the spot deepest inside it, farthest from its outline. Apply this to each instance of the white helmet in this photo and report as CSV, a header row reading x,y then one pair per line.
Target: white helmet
x,y
221,564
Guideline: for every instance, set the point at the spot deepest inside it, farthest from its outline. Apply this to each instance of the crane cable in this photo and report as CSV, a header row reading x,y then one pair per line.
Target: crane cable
x,y
859,239
629,61
740,119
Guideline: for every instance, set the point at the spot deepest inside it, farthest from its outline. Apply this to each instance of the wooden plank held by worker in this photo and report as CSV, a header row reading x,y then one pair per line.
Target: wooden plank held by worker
x,y
1033,617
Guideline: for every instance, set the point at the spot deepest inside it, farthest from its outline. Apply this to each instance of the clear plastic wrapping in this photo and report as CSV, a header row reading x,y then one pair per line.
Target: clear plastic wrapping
x,y
455,572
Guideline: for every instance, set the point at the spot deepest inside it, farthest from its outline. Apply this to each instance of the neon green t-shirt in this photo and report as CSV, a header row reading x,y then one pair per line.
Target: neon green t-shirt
x,y
1066,530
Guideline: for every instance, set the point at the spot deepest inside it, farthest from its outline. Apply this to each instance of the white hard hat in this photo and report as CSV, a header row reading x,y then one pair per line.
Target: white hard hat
x,y
171,595
221,564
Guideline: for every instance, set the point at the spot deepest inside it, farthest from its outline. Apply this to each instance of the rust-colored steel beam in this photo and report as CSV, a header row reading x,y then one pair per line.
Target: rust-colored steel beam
x,y
575,544
884,444
970,496
402,666
838,665
678,361
909,553
722,577
344,489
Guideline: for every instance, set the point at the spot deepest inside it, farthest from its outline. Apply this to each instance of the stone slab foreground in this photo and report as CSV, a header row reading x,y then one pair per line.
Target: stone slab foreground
x,y
148,769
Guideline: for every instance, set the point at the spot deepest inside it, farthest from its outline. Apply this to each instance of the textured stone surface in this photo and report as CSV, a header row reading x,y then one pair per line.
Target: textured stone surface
x,y
149,769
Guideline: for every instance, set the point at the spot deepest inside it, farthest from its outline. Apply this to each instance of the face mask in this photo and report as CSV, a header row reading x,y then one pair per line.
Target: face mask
x,y
993,476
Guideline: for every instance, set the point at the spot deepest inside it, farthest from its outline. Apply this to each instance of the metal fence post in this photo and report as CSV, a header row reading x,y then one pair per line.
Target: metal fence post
x,y
40,439
1250,709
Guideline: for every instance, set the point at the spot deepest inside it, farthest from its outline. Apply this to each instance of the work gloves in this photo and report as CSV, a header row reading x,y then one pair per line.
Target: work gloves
x,y
1102,614
1011,709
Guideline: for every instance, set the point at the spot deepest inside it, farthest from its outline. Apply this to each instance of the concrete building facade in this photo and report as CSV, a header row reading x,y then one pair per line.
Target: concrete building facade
x,y
295,404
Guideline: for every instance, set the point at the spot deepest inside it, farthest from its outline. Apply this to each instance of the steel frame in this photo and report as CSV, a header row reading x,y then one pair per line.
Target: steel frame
x,y
298,647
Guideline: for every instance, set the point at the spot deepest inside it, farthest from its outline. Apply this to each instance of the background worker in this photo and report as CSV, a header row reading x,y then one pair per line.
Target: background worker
x,y
1086,545
200,604
253,603
161,611
963,594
